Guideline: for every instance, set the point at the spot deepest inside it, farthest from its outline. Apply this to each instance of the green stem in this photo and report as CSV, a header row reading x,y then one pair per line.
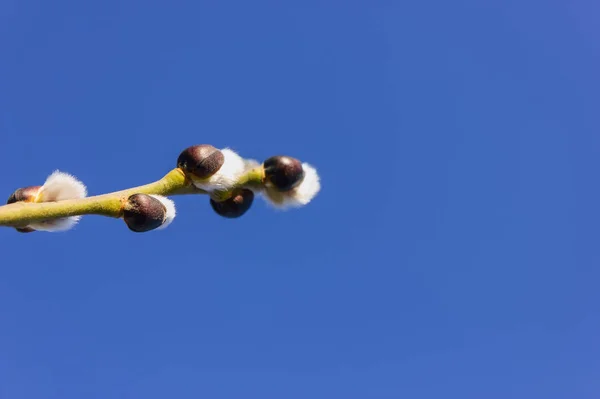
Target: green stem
x,y
252,179
20,214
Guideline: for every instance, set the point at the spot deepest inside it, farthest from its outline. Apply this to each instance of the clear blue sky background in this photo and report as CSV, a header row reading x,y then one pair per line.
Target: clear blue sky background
x,y
452,253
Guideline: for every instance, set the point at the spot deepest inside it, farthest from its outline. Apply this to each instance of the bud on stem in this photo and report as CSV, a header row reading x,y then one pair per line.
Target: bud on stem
x,y
283,173
143,212
25,194
201,161
289,183
213,170
236,205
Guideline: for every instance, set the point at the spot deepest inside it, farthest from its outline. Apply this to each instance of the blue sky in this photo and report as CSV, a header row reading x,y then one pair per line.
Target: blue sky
x,y
452,252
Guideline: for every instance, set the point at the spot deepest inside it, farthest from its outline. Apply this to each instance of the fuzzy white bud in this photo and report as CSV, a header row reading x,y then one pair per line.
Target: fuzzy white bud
x,y
59,186
234,166
300,195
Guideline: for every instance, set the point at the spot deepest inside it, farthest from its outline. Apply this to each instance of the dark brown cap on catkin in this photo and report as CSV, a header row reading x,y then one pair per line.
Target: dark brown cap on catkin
x,y
24,229
143,213
236,205
201,161
284,173
26,194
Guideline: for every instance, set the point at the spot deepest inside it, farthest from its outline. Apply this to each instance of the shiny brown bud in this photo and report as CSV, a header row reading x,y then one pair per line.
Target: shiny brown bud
x,y
236,205
143,213
25,194
201,161
284,173
24,229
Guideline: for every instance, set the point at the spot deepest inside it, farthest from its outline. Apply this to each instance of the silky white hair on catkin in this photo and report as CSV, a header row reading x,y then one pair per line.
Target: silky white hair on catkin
x,y
59,186
234,166
171,211
299,196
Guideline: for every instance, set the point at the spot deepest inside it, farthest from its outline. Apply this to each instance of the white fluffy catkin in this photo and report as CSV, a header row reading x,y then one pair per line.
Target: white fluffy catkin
x,y
59,186
300,196
234,166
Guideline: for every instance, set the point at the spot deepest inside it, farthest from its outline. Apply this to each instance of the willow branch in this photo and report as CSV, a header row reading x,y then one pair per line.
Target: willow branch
x,y
111,205
230,180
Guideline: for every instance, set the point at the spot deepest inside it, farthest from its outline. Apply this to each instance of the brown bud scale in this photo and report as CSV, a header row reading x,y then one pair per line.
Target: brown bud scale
x,y
201,161
26,194
143,213
284,173
24,229
235,206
